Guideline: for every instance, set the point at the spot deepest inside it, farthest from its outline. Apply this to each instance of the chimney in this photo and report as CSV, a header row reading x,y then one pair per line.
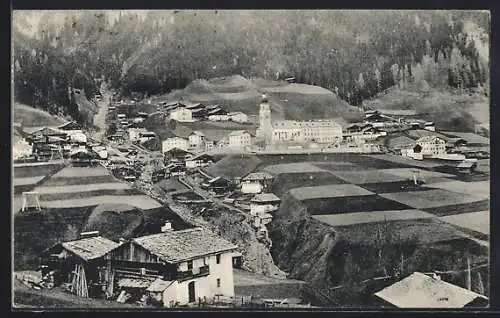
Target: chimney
x,y
166,227
89,234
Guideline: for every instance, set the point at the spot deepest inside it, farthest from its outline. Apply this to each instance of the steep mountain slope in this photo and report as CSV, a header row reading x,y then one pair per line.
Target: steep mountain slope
x,y
28,116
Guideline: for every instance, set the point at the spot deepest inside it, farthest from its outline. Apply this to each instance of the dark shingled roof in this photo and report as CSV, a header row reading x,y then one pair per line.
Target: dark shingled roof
x,y
177,246
91,247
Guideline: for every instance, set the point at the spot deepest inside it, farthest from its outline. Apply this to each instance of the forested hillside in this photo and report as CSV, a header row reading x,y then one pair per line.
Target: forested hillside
x,y
356,54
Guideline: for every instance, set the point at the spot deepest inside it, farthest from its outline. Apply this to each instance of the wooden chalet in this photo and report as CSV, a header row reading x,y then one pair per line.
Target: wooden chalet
x,y
176,170
176,153
83,158
82,263
70,126
202,160
256,182
219,185
46,152
424,291
175,267
263,203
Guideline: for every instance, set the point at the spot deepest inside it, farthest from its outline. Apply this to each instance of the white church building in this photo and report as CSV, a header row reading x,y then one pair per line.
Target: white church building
x,y
321,131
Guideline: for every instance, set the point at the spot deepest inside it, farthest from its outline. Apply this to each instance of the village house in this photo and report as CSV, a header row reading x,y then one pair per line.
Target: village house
x,y
239,139
362,132
264,203
134,133
209,145
176,267
175,170
218,185
432,146
196,140
145,136
175,142
70,128
197,110
424,291
238,117
177,155
217,113
82,263
256,182
202,160
83,157
182,114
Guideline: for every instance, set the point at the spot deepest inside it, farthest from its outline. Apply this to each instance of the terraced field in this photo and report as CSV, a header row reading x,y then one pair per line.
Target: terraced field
x,y
27,176
372,217
85,186
299,167
352,191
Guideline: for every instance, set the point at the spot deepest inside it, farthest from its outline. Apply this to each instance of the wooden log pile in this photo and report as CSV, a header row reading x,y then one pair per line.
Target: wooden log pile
x,y
79,282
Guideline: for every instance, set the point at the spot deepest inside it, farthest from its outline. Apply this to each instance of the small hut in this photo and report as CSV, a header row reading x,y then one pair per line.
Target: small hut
x,y
82,264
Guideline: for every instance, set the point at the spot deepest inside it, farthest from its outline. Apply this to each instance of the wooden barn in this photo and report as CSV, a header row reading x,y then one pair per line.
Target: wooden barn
x,y
83,158
83,264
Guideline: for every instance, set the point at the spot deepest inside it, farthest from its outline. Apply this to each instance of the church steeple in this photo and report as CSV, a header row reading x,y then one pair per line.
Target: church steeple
x,y
265,126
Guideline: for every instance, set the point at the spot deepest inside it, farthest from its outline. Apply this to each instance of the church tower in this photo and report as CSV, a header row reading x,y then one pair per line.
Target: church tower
x,y
265,129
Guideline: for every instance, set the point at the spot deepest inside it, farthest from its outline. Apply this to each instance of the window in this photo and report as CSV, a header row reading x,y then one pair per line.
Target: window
x,y
218,282
217,258
190,265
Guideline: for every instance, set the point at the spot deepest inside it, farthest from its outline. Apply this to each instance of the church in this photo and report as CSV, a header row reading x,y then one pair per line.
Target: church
x,y
321,131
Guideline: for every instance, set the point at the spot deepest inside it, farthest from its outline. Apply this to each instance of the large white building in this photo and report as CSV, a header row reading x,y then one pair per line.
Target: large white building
x,y
175,142
239,139
323,131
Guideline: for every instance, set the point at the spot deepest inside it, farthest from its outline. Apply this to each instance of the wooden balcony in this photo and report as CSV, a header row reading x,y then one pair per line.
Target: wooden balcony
x,y
189,274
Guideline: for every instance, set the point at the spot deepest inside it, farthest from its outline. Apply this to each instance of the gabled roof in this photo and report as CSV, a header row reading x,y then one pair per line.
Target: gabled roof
x,y
202,156
398,112
265,197
422,291
258,176
178,246
466,164
236,113
197,133
469,137
217,111
142,282
194,105
430,139
177,151
70,125
159,285
238,132
176,137
90,248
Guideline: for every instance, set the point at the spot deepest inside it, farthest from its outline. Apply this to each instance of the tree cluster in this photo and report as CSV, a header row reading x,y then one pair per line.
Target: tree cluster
x,y
356,55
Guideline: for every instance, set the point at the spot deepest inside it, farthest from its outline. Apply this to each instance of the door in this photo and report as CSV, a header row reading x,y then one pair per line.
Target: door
x,y
191,291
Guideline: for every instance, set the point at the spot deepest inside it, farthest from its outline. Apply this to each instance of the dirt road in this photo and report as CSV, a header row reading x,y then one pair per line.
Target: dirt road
x,y
100,117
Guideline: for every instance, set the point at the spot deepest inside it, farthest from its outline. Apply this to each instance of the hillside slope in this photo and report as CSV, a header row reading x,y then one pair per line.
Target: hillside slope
x,y
29,117
449,110
290,101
